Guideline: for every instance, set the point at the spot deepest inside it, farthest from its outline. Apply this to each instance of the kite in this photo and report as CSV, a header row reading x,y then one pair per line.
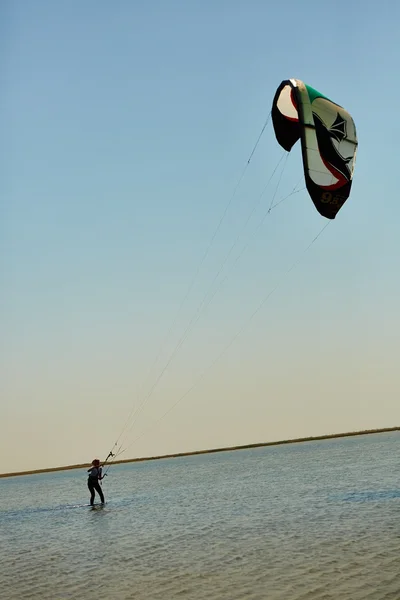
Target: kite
x,y
328,141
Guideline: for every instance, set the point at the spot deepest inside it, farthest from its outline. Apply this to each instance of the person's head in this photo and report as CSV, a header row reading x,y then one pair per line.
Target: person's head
x,y
96,462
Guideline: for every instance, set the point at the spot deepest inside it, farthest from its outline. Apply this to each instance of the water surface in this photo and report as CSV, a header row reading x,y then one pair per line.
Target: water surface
x,y
309,521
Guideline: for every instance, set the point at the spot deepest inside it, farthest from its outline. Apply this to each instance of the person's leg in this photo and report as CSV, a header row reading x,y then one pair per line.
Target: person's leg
x,y
91,489
99,491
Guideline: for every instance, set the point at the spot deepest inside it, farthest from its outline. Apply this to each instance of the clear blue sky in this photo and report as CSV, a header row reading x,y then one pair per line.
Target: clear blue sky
x,y
125,127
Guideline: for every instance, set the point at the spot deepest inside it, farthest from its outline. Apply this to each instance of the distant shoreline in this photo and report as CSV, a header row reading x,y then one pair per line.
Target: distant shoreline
x,y
211,451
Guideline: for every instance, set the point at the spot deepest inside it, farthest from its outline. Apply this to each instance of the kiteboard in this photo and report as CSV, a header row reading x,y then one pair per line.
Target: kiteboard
x,y
96,506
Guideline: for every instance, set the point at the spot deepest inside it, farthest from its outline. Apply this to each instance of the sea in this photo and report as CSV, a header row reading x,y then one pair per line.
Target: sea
x,y
316,520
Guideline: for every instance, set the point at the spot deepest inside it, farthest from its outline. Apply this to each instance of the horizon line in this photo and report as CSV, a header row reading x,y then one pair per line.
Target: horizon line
x,y
209,451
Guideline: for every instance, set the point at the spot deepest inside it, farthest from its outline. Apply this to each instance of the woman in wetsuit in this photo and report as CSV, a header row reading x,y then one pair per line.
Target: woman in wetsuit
x,y
95,475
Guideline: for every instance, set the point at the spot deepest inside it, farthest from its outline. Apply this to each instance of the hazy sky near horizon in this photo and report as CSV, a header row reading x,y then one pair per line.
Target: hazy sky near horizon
x,y
126,127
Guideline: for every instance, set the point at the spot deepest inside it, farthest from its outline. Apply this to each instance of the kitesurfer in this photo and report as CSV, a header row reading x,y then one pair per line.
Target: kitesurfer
x,y
95,475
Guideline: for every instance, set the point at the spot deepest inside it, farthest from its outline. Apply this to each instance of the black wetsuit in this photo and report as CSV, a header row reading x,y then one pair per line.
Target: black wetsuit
x,y
93,484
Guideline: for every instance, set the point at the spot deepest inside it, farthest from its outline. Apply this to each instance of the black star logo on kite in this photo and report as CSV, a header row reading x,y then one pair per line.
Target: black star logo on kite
x,y
338,130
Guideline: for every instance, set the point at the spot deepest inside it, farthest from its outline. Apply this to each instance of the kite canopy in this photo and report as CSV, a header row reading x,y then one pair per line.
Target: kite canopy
x,y
328,141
